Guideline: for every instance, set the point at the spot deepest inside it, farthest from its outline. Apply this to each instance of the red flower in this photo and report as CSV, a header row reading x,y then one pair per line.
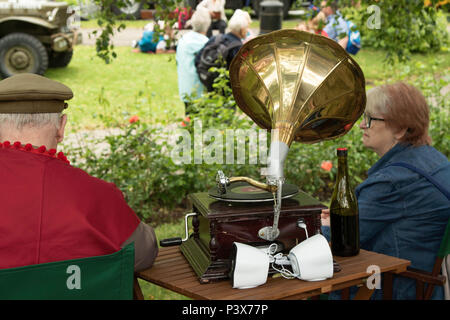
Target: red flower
x,y
133,119
187,119
326,165
182,124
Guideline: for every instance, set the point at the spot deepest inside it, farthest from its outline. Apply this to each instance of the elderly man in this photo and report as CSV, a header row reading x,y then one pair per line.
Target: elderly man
x,y
336,27
51,211
231,41
237,31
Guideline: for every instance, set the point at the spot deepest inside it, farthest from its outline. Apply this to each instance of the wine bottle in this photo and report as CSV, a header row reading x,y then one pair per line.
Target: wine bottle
x,y
344,218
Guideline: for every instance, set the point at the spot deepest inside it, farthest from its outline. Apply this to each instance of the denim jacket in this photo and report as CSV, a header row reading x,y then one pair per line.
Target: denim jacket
x,y
402,214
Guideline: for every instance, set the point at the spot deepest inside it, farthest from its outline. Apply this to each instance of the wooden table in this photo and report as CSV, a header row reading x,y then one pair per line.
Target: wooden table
x,y
172,271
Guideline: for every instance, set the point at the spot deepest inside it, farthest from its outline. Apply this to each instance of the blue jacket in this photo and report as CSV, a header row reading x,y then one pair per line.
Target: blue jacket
x,y
402,214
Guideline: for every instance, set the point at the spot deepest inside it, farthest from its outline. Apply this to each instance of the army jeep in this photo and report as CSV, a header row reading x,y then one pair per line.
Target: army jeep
x,y
34,35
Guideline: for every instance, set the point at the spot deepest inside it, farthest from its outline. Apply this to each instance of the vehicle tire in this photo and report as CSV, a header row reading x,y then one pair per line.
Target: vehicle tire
x,y
133,11
60,59
20,53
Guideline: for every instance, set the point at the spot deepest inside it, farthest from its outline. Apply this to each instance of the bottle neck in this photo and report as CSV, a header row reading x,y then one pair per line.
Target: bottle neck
x,y
342,167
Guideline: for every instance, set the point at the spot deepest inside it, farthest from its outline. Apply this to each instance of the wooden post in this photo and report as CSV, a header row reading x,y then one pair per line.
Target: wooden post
x,y
137,292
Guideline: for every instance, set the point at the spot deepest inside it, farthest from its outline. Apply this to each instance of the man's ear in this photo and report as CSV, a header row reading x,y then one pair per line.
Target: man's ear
x,y
62,127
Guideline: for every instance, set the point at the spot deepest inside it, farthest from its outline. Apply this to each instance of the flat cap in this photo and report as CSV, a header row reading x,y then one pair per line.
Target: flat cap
x,y
31,93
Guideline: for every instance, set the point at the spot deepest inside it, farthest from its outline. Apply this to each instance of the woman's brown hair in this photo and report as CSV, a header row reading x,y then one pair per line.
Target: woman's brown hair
x,y
403,107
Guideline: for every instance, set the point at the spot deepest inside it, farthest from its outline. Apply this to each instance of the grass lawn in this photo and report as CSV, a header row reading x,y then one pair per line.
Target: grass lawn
x,y
135,83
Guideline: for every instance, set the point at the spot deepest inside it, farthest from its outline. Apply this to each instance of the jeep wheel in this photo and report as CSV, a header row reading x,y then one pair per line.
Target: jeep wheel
x,y
131,11
20,53
60,59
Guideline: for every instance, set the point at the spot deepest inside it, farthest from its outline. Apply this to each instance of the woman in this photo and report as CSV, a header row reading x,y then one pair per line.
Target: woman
x,y
401,213
188,46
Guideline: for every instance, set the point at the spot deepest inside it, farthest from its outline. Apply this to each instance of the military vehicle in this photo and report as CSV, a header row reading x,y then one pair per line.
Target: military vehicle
x,y
35,35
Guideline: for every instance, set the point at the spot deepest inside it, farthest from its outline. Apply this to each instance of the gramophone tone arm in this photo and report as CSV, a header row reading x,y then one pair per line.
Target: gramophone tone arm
x,y
256,184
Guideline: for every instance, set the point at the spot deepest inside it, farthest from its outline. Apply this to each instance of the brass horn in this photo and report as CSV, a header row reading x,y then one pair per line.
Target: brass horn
x,y
303,85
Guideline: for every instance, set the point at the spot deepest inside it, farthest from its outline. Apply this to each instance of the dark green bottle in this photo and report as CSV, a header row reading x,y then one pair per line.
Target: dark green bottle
x,y
344,218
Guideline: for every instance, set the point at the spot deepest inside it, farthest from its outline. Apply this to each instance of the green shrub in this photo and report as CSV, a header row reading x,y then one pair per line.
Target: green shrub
x,y
139,158
405,26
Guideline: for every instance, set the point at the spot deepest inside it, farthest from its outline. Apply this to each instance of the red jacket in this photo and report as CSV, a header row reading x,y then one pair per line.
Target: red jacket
x,y
51,211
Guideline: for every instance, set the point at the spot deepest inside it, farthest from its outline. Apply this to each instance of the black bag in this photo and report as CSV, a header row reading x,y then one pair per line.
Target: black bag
x,y
213,55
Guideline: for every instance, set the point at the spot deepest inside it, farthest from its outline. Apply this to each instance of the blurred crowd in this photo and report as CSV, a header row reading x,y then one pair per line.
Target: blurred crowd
x,y
207,27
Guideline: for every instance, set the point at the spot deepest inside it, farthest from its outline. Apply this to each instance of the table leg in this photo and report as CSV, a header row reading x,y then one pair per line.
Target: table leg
x,y
345,294
387,286
137,292
363,293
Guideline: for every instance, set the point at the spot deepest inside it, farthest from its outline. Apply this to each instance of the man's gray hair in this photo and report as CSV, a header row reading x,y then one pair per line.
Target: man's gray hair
x,y
201,20
238,21
37,120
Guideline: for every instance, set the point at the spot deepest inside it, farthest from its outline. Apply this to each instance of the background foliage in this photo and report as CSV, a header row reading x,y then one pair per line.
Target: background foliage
x,y
138,158
406,26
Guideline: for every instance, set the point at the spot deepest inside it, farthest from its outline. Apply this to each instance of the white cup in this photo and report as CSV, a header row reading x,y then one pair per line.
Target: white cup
x,y
250,266
311,259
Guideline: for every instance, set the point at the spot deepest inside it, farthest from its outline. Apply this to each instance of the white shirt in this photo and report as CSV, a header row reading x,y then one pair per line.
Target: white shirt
x,y
215,6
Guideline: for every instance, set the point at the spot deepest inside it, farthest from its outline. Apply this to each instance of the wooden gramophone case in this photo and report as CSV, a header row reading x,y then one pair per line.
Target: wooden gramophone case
x,y
218,224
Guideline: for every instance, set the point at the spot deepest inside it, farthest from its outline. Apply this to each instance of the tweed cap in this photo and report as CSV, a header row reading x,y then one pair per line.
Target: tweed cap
x,y
31,93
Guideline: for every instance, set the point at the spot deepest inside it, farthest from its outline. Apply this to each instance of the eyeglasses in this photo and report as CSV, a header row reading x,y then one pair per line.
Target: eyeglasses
x,y
368,120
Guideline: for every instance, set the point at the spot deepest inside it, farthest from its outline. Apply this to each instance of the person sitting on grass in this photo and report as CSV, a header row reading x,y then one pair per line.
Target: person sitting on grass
x,y
315,25
148,44
336,27
52,211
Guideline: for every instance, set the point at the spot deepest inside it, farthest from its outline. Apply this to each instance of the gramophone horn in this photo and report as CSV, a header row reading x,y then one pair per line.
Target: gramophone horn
x,y
302,84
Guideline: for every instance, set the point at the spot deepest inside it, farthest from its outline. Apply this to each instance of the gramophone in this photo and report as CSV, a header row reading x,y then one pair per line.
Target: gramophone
x,y
303,87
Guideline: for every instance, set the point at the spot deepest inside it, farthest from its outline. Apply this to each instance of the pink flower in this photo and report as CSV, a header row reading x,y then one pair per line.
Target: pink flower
x,y
133,119
182,124
326,165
